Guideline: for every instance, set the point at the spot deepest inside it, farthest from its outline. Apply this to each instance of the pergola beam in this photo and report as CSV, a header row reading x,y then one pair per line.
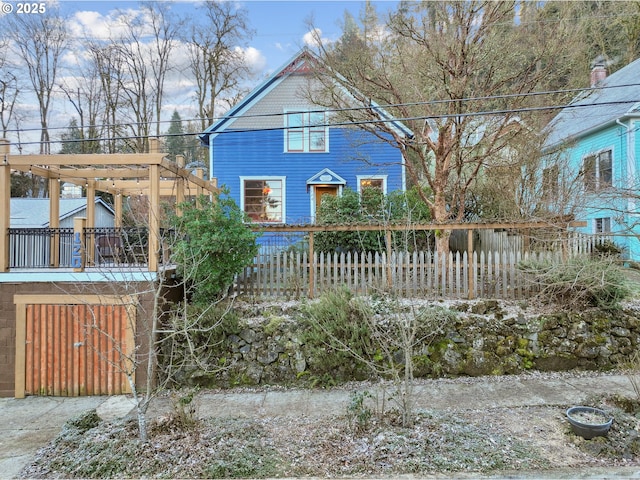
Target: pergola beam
x,y
149,174
168,170
85,159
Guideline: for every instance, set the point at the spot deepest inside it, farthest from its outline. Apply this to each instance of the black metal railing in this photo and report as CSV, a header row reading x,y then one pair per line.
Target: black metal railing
x,y
105,247
40,247
126,246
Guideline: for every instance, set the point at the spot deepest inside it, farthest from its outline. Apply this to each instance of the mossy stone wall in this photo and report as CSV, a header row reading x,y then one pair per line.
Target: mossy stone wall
x,y
486,338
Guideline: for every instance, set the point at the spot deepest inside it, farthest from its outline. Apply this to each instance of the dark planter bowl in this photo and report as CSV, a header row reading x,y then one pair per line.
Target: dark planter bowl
x,y
589,430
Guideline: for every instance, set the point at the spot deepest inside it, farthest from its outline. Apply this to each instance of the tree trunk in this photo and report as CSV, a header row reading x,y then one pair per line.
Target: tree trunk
x,y
142,423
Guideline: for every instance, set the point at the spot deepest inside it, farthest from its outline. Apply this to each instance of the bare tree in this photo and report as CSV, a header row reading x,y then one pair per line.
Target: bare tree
x,y
388,338
156,311
164,31
9,87
40,41
136,83
458,75
107,62
88,99
217,62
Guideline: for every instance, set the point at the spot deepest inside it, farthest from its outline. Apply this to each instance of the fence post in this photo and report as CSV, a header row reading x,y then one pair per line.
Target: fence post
x,y
312,265
5,204
470,272
387,236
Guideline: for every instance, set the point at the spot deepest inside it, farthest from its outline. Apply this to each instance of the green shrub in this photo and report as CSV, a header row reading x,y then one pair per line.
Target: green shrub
x,y
337,337
371,206
358,412
213,245
580,281
608,248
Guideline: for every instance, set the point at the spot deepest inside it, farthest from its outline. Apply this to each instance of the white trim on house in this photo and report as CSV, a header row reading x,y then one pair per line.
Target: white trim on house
x,y
326,177
283,179
596,154
359,179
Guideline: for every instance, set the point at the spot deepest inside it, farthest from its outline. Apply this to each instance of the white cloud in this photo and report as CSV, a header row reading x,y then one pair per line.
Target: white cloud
x,y
254,58
313,38
87,23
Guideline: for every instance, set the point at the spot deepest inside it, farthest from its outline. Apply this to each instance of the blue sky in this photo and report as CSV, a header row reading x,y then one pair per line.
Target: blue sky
x,y
280,26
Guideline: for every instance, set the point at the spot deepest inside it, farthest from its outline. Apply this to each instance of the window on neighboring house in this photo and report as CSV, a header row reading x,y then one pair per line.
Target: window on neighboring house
x,y
597,171
263,199
375,181
306,132
602,225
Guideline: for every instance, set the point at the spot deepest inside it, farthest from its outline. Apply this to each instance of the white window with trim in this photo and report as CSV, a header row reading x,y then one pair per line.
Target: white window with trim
x,y
306,132
263,198
602,225
597,171
372,181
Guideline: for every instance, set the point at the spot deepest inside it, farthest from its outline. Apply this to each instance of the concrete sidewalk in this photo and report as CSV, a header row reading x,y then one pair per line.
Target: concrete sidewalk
x,y
440,394
29,424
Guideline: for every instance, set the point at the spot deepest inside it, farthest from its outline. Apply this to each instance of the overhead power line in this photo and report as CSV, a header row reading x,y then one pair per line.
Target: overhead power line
x,y
353,123
354,109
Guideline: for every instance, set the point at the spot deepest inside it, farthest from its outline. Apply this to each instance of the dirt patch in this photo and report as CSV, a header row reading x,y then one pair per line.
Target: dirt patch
x,y
544,429
360,442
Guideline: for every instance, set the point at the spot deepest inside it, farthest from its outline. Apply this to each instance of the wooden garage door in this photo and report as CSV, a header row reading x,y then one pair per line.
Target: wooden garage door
x,y
72,350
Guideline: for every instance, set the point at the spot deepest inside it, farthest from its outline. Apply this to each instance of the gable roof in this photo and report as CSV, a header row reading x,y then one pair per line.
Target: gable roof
x,y
616,97
34,212
301,63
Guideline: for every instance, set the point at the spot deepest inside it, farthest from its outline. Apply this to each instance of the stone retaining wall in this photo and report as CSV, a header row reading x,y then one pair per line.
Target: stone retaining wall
x,y
487,338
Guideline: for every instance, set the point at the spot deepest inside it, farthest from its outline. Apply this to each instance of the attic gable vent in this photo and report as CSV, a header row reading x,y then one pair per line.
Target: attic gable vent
x,y
303,64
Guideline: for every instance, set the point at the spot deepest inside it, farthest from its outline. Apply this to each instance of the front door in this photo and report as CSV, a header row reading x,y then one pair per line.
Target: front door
x,y
321,191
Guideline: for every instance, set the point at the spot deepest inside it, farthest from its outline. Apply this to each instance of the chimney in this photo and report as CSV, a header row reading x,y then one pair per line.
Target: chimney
x,y
598,74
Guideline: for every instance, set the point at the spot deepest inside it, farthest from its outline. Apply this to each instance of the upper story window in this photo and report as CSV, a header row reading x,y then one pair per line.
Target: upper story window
x,y
263,199
597,171
306,132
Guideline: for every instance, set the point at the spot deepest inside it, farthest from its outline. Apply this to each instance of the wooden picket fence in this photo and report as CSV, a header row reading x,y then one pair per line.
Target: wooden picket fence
x,y
293,275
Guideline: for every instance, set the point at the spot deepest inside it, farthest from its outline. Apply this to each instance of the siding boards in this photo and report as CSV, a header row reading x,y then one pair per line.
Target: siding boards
x,y
261,153
73,350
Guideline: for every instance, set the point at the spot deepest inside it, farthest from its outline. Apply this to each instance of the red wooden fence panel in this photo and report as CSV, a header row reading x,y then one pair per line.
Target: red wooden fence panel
x,y
77,350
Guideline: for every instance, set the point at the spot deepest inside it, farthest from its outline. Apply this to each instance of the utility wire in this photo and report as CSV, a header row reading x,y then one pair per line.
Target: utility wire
x,y
355,109
356,123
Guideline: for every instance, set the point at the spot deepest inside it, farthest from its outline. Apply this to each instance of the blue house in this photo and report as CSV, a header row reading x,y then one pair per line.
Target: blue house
x,y
594,151
279,154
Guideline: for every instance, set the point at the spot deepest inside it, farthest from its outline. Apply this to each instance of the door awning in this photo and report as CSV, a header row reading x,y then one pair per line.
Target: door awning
x,y
326,177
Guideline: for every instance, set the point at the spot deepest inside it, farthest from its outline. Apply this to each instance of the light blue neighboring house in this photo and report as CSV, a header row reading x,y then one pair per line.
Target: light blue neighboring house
x,y
278,154
594,148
